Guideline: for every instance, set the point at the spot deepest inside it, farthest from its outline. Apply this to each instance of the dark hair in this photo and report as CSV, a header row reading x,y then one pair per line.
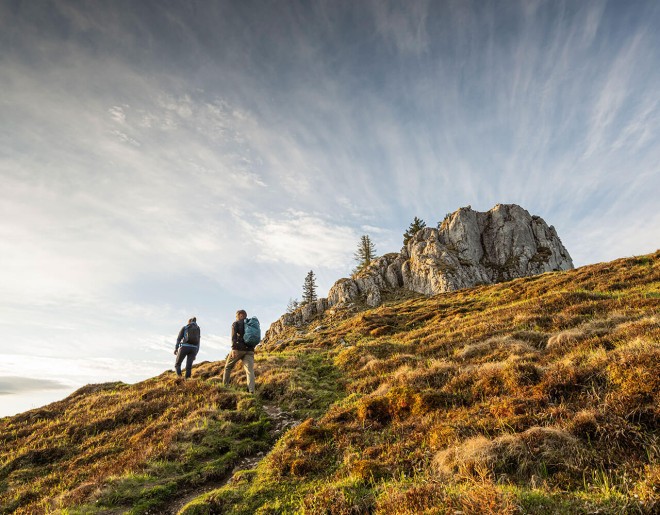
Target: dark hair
x,y
241,312
193,319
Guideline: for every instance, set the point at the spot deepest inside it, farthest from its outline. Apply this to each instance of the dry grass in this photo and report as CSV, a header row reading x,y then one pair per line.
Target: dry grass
x,y
61,454
432,497
539,395
532,456
547,383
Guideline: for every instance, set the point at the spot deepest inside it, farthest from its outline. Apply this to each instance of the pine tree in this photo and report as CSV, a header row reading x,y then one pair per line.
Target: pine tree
x,y
292,305
309,289
416,225
365,253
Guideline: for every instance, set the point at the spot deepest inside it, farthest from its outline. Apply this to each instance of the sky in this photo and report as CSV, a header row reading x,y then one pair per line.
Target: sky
x,y
161,159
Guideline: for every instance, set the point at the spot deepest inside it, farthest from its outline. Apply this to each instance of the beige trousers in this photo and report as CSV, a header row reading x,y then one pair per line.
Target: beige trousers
x,y
247,357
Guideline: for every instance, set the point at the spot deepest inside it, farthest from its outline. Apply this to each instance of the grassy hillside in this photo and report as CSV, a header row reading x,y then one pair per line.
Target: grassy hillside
x,y
540,395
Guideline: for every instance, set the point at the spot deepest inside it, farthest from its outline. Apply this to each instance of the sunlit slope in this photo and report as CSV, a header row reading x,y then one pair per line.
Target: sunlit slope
x,y
540,395
117,448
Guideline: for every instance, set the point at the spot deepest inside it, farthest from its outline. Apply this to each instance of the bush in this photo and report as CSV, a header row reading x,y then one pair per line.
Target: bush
x,y
539,453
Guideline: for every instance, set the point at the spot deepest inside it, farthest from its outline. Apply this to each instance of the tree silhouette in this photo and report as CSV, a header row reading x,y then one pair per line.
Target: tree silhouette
x,y
309,288
292,305
365,253
416,225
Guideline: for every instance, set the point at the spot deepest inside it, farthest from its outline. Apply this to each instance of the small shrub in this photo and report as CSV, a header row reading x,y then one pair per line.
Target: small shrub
x,y
648,489
369,470
348,498
633,370
442,436
436,498
539,451
565,381
273,385
536,339
433,375
374,409
586,425
305,450
427,497
496,349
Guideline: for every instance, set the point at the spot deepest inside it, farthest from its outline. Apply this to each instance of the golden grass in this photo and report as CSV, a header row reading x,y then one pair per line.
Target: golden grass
x,y
539,395
548,382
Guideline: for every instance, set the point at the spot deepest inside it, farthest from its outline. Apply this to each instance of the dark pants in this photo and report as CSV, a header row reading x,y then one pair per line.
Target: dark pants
x,y
185,352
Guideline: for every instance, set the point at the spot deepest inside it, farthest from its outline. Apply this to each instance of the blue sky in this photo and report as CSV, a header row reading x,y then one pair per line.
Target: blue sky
x,y
167,159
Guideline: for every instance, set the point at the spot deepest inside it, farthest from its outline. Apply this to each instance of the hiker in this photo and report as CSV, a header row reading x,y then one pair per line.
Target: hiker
x,y
187,346
241,350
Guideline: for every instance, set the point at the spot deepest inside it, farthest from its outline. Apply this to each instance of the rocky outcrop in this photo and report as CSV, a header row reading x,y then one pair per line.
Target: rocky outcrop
x,y
383,274
472,248
469,248
298,318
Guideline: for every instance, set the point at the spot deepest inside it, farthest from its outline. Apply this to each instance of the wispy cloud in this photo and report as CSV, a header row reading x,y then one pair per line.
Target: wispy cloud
x,y
303,239
405,28
156,162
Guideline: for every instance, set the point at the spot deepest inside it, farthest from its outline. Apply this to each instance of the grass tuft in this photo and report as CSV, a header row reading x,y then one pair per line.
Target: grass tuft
x,y
538,395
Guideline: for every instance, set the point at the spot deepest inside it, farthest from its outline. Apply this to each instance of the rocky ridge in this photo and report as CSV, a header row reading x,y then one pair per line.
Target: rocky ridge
x,y
470,248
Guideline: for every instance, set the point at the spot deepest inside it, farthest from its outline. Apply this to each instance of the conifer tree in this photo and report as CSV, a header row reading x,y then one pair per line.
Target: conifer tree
x,y
292,305
309,289
416,225
365,253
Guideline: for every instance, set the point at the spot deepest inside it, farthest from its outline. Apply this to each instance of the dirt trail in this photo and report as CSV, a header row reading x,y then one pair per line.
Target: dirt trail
x,y
282,421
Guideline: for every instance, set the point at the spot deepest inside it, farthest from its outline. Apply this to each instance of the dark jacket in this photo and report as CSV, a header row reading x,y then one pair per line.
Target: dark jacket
x,y
182,334
237,332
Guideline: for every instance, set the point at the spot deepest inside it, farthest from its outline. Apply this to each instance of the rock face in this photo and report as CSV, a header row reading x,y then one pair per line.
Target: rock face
x,y
383,274
470,248
297,318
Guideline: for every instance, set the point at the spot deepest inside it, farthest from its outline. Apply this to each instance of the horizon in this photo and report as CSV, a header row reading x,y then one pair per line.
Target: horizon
x,y
162,163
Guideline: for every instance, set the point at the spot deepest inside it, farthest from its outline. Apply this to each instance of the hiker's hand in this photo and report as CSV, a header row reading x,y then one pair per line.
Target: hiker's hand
x,y
175,352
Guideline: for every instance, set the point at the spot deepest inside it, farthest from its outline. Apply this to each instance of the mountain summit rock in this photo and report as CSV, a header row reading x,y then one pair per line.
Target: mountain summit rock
x,y
470,248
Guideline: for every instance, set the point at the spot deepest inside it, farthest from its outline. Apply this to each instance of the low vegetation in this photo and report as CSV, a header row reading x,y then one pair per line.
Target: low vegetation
x,y
539,395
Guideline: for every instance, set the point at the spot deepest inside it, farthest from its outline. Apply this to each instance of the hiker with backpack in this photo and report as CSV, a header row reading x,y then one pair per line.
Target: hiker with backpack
x,y
245,336
187,346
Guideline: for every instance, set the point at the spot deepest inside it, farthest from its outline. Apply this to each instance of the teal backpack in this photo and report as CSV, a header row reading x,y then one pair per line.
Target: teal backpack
x,y
252,335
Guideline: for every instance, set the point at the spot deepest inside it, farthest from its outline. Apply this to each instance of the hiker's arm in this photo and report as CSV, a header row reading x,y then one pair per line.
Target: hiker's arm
x,y
179,339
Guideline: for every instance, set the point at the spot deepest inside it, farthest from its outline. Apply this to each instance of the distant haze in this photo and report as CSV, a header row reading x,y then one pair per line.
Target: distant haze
x,y
164,160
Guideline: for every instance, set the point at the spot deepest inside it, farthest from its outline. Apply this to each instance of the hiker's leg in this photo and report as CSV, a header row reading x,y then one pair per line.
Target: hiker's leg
x,y
232,359
248,365
190,357
179,360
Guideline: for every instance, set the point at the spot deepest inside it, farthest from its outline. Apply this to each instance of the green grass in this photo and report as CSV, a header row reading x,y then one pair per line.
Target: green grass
x,y
539,395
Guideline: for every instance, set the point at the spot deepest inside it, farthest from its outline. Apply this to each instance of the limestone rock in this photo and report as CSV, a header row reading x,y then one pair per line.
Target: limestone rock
x,y
470,248
342,292
298,318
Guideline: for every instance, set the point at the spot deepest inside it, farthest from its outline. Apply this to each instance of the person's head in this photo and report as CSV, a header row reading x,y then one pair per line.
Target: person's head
x,y
241,314
192,320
